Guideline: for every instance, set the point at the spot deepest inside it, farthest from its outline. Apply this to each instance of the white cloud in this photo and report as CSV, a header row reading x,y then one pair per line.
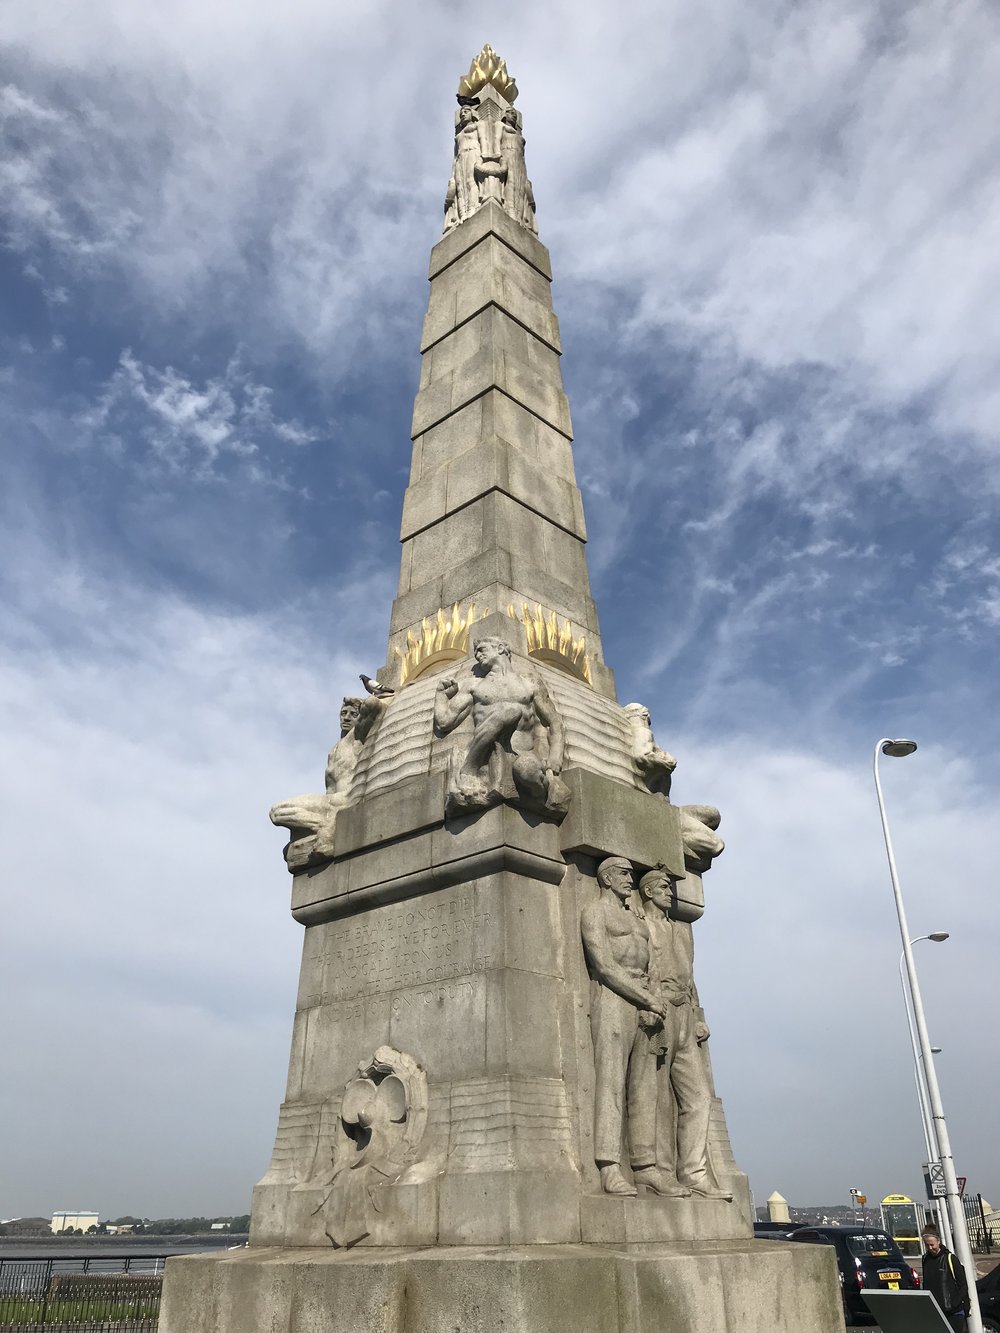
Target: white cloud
x,y
148,949
811,185
185,425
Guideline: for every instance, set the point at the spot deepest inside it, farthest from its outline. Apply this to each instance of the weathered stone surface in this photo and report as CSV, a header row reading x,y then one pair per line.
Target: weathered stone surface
x,y
743,1286
490,274
410,807
492,465
532,385
492,328
609,1220
606,818
490,220
493,417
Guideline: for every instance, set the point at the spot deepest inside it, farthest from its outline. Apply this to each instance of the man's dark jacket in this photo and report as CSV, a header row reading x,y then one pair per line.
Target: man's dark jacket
x,y
944,1278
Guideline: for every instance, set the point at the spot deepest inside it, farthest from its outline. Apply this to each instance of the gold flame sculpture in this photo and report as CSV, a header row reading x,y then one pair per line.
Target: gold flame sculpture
x,y
552,641
486,68
444,636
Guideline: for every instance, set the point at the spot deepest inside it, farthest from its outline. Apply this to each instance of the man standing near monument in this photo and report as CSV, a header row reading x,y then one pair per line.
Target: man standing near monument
x,y
684,1095
944,1277
616,942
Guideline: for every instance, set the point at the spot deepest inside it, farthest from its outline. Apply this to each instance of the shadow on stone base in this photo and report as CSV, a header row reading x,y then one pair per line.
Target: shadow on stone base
x,y
720,1287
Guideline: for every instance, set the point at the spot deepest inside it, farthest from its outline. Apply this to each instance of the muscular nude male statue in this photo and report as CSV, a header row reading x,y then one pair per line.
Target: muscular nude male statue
x,y
510,712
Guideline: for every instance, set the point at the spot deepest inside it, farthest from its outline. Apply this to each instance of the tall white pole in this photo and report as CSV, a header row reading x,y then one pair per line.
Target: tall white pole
x,y
960,1230
933,1152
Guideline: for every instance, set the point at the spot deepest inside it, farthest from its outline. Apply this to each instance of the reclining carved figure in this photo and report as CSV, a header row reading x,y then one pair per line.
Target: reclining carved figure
x,y
312,820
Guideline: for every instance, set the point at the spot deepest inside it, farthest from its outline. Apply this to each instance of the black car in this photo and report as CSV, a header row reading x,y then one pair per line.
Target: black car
x,y
774,1230
865,1258
988,1289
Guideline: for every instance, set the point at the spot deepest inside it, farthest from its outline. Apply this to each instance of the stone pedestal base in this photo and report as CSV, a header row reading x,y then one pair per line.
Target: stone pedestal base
x,y
710,1287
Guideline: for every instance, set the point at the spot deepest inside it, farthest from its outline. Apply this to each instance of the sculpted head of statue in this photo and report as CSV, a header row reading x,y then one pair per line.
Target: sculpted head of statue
x,y
657,887
490,652
615,873
350,711
638,713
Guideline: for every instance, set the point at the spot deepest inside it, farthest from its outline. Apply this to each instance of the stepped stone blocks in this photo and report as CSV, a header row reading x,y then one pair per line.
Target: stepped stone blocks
x,y
492,512
599,1288
500,1110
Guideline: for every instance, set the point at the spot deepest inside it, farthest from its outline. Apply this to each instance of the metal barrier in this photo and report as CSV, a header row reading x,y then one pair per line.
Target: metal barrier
x,y
86,1294
981,1233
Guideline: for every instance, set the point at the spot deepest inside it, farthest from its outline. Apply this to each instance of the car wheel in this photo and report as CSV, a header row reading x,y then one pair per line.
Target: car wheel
x,y
991,1325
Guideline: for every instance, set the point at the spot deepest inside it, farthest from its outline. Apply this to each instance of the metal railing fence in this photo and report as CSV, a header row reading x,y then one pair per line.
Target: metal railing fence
x,y
86,1295
982,1233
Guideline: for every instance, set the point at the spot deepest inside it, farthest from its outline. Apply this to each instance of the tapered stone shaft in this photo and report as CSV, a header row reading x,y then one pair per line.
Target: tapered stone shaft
x,y
492,513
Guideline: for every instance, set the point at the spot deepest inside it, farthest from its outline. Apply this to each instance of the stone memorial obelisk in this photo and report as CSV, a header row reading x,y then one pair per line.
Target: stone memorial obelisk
x,y
500,1111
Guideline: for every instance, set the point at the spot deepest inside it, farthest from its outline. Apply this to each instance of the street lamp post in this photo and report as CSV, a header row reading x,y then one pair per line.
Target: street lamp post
x,y
899,749
933,1152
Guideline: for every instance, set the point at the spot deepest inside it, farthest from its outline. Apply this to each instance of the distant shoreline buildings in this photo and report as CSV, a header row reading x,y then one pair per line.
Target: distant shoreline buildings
x,y
75,1221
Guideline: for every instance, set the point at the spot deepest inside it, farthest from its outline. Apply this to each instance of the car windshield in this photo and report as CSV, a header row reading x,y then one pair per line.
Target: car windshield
x,y
872,1245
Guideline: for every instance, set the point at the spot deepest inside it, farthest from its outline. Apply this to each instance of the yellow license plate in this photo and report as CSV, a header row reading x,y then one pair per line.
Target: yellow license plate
x,y
890,1277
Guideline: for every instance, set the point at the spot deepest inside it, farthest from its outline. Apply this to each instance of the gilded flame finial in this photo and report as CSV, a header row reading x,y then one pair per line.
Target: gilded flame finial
x,y
487,67
444,637
553,642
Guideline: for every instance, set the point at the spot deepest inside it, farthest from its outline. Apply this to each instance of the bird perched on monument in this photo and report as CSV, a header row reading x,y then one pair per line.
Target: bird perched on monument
x,y
373,687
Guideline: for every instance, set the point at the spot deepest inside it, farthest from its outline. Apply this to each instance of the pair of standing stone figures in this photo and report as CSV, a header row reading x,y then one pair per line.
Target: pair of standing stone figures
x,y
651,1076
489,164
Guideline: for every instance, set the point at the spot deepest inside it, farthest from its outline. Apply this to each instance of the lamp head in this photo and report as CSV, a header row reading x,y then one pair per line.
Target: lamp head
x,y
938,936
898,749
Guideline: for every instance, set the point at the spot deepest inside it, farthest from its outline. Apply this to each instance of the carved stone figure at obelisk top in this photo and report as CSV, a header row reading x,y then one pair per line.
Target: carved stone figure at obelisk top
x,y
489,147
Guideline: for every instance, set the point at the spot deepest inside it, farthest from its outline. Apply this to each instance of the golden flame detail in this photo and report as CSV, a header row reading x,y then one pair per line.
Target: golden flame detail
x,y
448,630
547,637
486,68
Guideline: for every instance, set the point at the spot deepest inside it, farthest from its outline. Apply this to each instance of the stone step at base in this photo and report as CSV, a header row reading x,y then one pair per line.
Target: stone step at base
x,y
743,1286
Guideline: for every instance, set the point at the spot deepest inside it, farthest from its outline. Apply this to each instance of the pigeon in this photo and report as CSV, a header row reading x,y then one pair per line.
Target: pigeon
x,y
373,687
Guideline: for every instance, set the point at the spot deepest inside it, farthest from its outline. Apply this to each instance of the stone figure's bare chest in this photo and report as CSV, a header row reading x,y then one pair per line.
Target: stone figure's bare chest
x,y
502,689
624,927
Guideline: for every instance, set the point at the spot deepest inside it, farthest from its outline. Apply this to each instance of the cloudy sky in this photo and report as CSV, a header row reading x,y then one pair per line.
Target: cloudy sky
x,y
774,233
